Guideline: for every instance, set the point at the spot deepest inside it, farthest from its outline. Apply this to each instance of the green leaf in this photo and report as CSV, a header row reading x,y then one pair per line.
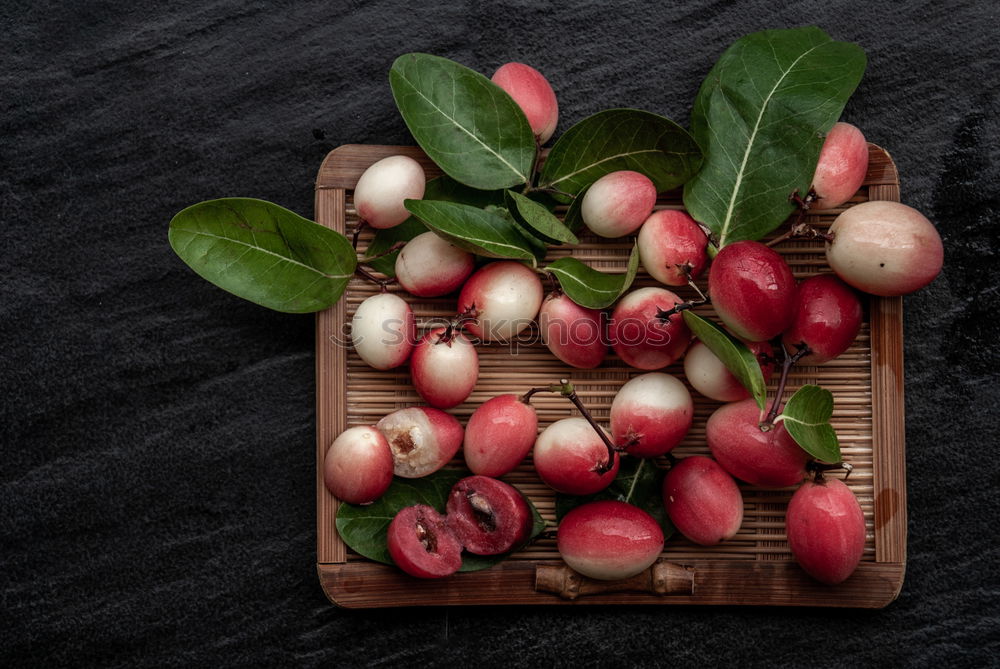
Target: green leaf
x,y
574,214
465,123
733,353
621,139
538,248
537,217
807,418
442,188
760,116
590,288
364,528
639,482
264,253
476,230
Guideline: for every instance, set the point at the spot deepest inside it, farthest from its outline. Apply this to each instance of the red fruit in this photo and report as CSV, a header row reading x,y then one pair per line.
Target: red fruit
x,y
421,543
752,290
827,319
669,242
616,204
506,296
639,337
768,459
652,412
609,540
568,455
533,94
444,368
826,530
422,440
499,435
842,166
710,377
487,516
383,331
703,501
573,333
358,465
428,266
885,248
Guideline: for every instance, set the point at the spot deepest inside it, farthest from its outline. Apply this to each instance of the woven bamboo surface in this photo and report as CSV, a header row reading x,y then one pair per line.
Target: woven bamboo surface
x,y
753,568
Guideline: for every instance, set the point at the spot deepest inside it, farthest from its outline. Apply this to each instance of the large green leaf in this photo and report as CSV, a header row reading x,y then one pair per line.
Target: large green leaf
x,y
807,418
589,287
538,217
621,139
468,125
733,353
639,482
364,528
476,230
264,253
760,117
442,188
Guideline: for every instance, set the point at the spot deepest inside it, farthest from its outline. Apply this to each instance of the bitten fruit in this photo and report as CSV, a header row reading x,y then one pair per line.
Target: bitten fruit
x,y
422,440
487,516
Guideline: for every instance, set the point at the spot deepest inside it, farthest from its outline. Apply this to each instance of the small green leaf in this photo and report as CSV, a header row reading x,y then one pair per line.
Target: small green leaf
x,y
442,188
475,230
574,214
364,528
639,482
733,353
537,246
760,116
264,253
537,217
465,123
807,418
590,288
621,139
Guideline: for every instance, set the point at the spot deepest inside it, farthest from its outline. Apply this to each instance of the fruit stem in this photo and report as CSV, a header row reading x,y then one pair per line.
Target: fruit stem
x,y
819,467
358,227
785,367
567,390
799,227
534,167
381,283
392,249
526,398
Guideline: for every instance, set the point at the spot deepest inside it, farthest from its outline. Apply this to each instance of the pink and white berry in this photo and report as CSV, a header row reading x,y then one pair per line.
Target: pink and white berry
x,y
422,440
652,412
609,540
533,94
842,166
617,204
383,331
671,244
506,296
381,190
429,266
568,454
444,369
358,465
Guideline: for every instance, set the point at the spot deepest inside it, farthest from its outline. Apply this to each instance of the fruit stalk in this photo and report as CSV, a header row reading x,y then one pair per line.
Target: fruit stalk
x,y
567,390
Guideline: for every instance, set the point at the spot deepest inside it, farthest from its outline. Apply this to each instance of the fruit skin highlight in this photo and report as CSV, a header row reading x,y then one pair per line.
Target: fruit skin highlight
x,y
499,435
639,337
710,377
533,94
827,319
506,296
655,411
422,439
383,331
826,530
444,369
753,290
885,248
768,459
421,543
617,204
428,266
609,540
358,465
842,166
487,516
566,455
669,241
573,333
703,501
381,190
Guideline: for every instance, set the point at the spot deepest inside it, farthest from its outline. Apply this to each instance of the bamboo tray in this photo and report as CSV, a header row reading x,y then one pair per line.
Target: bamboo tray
x,y
755,568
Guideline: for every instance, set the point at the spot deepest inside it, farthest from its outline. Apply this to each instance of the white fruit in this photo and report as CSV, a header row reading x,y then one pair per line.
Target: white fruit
x,y
379,193
383,331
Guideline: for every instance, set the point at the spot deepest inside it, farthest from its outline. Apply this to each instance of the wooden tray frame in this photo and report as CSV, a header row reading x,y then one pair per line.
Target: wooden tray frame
x,y
360,583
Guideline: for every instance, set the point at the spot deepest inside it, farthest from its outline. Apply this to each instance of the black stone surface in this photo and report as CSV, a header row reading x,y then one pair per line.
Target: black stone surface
x,y
156,491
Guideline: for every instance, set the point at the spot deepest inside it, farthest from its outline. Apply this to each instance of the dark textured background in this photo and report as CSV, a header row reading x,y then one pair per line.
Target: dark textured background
x,y
157,494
